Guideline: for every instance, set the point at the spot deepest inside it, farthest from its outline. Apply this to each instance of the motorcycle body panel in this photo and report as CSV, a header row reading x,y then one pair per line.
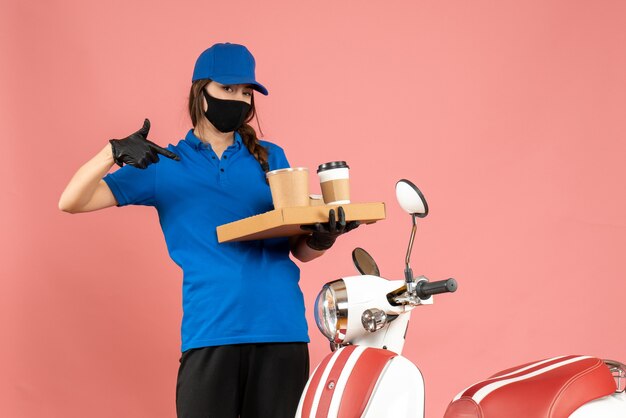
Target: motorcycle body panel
x,y
357,381
367,292
611,406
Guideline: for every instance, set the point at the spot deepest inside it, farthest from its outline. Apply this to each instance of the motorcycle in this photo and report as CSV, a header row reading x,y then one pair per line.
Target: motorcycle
x,y
365,319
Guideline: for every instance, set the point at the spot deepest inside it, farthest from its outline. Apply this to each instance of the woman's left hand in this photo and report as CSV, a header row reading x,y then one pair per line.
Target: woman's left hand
x,y
324,234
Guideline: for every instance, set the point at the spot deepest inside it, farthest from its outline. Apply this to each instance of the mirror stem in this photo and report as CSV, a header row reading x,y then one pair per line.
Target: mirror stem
x,y
408,272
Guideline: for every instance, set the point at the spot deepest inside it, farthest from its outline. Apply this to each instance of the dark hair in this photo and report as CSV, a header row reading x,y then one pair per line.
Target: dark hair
x,y
247,132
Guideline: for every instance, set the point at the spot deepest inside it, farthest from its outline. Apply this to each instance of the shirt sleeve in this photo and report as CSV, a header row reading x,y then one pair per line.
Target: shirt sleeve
x,y
277,158
133,186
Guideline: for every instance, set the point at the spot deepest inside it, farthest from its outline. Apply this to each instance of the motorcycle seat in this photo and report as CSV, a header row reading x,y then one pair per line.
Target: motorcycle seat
x,y
550,388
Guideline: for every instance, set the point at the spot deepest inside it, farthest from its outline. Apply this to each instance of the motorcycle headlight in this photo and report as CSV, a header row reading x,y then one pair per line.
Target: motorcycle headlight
x,y
331,311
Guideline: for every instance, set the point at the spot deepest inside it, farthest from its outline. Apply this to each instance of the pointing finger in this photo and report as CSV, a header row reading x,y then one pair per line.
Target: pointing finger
x,y
163,151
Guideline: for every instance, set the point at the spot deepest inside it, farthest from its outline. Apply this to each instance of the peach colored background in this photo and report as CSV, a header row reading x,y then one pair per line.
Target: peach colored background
x,y
509,115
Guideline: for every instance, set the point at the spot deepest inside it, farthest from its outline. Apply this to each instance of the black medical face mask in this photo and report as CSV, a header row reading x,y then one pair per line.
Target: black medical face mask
x,y
225,115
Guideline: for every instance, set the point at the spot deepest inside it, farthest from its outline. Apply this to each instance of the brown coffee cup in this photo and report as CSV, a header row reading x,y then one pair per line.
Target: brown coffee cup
x,y
289,187
335,182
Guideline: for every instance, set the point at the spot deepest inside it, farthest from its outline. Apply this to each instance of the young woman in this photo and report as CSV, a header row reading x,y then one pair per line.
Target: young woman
x,y
244,334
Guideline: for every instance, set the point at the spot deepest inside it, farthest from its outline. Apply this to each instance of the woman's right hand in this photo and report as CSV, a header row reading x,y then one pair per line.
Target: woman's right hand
x,y
137,150
324,234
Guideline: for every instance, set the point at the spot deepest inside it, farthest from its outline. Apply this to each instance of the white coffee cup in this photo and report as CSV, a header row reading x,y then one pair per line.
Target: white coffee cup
x,y
335,182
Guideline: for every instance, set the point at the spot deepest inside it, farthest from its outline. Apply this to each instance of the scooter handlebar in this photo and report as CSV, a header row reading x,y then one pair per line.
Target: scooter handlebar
x,y
425,289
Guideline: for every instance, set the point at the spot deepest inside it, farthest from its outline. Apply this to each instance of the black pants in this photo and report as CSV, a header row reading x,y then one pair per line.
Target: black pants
x,y
246,380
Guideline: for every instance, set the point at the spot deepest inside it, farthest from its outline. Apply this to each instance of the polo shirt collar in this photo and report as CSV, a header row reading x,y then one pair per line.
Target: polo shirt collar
x,y
197,144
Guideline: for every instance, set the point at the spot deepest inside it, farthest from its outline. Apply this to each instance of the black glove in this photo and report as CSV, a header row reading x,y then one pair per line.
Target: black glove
x,y
324,234
137,151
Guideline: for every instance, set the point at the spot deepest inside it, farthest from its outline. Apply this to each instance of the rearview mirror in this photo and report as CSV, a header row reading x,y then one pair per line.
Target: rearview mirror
x,y
411,199
364,262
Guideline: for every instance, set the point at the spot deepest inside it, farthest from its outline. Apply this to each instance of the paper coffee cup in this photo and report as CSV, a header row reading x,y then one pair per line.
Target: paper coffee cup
x,y
335,182
289,187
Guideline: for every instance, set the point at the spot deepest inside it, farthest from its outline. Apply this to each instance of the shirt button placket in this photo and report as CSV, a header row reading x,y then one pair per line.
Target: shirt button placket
x,y
221,167
213,156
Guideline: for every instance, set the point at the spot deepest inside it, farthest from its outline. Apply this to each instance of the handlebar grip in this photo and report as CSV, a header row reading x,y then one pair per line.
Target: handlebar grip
x,y
426,289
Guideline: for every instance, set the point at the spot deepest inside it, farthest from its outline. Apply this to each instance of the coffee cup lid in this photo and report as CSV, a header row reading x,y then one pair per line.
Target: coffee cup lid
x,y
331,165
